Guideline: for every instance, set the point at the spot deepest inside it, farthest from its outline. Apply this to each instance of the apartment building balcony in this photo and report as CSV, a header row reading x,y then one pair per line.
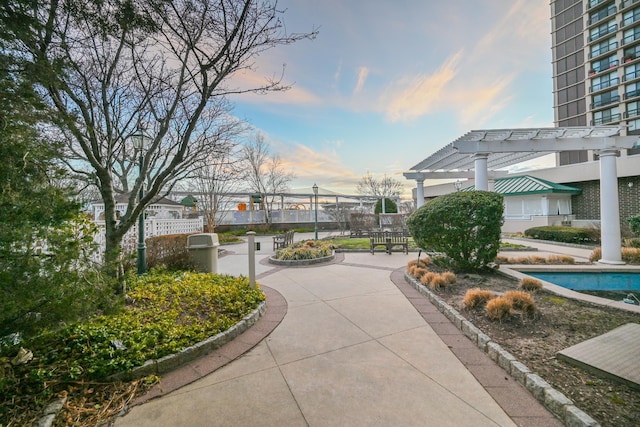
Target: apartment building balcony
x,y
603,102
626,3
601,14
599,51
613,118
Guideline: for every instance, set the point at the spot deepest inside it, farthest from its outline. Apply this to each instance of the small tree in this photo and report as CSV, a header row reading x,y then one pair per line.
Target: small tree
x,y
465,226
389,206
265,174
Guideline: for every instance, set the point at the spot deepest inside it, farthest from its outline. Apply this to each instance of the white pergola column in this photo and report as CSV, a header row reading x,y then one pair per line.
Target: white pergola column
x,y
609,216
481,173
420,193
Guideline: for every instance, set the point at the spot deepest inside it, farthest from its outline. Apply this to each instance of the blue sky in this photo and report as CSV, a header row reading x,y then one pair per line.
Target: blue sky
x,y
387,83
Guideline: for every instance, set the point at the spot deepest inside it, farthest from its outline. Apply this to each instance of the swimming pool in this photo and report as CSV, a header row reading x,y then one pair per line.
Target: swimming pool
x,y
590,281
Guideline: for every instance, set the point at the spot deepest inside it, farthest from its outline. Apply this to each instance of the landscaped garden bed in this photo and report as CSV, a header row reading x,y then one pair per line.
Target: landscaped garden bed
x,y
534,336
165,313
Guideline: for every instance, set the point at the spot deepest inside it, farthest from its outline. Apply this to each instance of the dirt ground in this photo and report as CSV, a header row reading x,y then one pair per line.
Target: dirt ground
x,y
559,323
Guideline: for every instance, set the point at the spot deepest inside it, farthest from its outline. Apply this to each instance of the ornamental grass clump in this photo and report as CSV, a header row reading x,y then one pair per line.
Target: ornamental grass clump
x,y
521,301
477,297
438,282
449,277
498,308
422,263
418,272
309,249
427,278
530,284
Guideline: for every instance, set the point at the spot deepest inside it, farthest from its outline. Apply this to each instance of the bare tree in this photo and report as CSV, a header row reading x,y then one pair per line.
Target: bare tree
x,y
265,173
214,180
107,66
386,186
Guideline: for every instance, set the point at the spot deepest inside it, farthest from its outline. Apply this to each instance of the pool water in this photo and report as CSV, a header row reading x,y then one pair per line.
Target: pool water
x,y
591,281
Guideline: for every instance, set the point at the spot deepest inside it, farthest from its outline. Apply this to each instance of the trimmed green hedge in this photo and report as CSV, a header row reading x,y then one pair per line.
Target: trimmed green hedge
x,y
564,234
464,225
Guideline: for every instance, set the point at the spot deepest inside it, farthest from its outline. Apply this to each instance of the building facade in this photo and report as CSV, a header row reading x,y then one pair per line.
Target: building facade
x,y
596,67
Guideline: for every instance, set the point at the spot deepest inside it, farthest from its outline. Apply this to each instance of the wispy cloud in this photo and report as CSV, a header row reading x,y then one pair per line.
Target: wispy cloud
x,y
363,73
418,95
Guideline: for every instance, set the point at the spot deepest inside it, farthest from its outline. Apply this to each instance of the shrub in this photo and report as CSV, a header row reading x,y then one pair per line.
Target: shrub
x,y
564,234
498,308
476,297
463,225
530,284
169,251
521,301
632,243
634,224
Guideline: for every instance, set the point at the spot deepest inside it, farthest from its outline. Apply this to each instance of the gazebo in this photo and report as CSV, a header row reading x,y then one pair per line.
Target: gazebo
x,y
485,151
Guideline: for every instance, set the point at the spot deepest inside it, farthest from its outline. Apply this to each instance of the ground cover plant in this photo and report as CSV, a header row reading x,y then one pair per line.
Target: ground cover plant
x,y
166,312
534,339
308,249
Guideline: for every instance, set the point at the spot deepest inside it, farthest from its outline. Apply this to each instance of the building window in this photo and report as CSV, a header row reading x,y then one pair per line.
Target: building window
x,y
632,72
601,14
631,16
632,90
603,82
603,47
605,98
572,157
633,109
602,30
631,35
604,64
606,116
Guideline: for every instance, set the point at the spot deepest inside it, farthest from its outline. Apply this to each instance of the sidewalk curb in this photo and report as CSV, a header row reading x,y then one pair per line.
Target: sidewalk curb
x,y
556,402
172,361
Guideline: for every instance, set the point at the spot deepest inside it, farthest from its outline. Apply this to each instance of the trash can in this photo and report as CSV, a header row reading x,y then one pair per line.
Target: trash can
x,y
203,251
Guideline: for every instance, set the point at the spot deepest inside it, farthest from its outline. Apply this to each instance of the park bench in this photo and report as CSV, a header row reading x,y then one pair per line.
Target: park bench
x,y
283,240
388,239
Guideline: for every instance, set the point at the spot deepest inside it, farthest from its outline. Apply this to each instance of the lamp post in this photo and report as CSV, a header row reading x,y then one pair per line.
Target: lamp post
x,y
315,192
139,138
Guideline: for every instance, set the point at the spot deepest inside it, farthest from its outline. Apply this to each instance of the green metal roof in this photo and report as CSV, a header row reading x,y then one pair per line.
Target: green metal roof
x,y
527,185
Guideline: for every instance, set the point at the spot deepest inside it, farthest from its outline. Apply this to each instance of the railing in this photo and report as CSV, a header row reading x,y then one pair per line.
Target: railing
x,y
602,14
598,34
603,102
626,3
606,119
631,37
152,227
597,51
632,94
605,84
630,19
632,113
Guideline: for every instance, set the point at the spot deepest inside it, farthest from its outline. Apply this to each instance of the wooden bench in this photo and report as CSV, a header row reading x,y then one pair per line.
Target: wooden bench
x,y
283,240
388,239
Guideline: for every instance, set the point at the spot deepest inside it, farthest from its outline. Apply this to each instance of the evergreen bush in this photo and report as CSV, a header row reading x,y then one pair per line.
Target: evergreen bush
x,y
389,206
463,225
564,234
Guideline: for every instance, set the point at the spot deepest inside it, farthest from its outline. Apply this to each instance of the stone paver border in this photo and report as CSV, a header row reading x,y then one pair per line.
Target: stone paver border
x,y
556,402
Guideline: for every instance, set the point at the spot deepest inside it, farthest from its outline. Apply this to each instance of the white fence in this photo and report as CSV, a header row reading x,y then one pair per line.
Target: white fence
x,y
152,227
232,217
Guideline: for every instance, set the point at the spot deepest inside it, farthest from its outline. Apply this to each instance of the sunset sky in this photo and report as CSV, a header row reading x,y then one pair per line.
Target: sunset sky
x,y
387,83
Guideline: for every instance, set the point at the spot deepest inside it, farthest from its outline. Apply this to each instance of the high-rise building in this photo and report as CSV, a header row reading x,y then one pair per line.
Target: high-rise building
x,y
596,67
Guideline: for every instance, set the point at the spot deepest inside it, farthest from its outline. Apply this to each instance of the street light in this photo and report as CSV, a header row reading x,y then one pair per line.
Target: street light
x,y
315,192
139,142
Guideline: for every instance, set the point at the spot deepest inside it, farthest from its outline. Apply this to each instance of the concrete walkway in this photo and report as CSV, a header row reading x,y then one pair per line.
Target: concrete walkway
x,y
354,349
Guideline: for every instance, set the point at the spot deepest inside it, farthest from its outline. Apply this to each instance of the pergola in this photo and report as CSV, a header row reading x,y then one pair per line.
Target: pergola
x,y
487,150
